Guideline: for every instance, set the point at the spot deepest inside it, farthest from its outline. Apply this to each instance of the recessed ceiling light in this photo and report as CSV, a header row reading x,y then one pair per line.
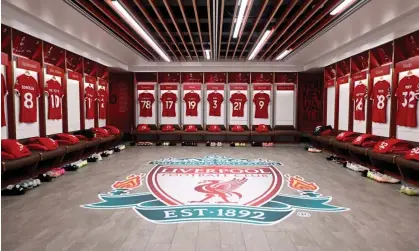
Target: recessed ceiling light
x,y
207,54
260,44
239,19
134,24
283,54
341,7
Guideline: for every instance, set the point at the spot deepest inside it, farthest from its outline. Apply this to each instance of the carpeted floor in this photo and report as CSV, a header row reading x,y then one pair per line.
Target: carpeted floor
x,y
50,217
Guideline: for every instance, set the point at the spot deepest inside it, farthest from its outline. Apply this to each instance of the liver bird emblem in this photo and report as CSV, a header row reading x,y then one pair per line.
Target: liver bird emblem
x,y
221,191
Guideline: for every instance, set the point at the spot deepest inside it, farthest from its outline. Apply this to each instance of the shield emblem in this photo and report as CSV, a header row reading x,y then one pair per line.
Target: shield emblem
x,y
238,185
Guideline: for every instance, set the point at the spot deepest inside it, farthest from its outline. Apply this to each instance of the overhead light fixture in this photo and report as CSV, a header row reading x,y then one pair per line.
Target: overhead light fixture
x,y
239,19
283,54
341,7
131,21
260,44
207,54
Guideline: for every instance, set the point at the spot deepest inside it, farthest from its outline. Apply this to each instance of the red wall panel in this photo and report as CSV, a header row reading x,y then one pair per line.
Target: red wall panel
x,y
121,97
310,101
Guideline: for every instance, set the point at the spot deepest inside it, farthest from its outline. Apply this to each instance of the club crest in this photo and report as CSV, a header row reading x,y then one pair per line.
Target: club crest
x,y
215,188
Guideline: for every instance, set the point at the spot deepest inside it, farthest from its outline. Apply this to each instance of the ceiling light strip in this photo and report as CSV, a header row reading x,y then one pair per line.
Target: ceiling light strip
x,y
153,24
260,44
283,54
326,28
345,4
231,28
239,19
110,32
207,54
122,11
253,29
246,16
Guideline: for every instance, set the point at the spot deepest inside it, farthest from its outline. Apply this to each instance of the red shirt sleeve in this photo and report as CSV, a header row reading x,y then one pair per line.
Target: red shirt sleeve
x,y
18,86
37,93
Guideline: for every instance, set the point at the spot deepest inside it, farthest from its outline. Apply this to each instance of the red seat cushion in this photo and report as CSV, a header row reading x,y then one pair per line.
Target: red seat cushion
x,y
14,148
66,139
214,128
100,132
346,136
42,143
237,128
112,130
262,128
168,128
392,146
143,128
7,156
191,128
413,154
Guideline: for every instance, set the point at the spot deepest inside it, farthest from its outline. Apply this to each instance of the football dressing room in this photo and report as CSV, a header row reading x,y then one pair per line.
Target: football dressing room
x,y
209,125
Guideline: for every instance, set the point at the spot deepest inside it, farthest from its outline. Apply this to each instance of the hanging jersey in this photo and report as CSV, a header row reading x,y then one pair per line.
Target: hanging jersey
x,y
359,97
28,90
55,93
215,99
102,96
146,100
407,99
379,94
90,96
238,100
169,100
192,100
261,101
3,96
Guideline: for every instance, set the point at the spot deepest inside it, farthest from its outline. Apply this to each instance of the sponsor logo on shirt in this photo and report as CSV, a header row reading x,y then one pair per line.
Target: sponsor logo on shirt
x,y
26,87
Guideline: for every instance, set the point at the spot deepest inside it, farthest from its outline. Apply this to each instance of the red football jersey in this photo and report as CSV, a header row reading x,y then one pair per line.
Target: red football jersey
x,y
192,100
215,99
3,95
407,99
238,101
55,93
261,101
90,96
102,97
379,94
28,90
358,96
169,100
146,100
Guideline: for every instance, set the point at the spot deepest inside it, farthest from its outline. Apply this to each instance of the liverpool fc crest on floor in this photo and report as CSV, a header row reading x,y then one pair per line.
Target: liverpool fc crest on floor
x,y
215,188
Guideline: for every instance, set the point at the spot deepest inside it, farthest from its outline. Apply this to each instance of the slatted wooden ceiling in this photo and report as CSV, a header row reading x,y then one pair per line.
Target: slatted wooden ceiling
x,y
185,28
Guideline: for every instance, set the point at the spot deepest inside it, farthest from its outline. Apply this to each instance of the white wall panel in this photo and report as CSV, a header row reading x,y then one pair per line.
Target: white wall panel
x,y
192,120
330,115
285,107
146,120
409,133
215,120
238,120
360,125
170,120
4,129
265,121
383,129
88,123
53,126
102,122
25,130
73,104
343,107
